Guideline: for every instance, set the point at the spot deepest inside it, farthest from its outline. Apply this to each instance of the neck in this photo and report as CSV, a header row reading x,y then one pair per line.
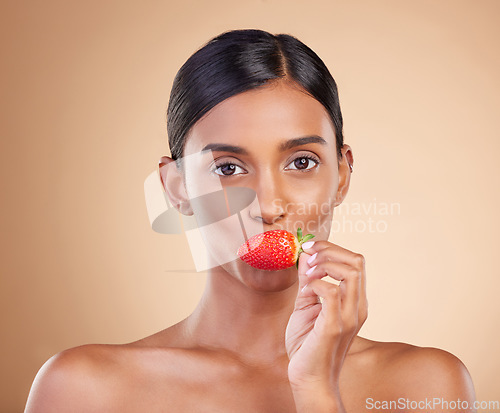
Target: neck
x,y
248,323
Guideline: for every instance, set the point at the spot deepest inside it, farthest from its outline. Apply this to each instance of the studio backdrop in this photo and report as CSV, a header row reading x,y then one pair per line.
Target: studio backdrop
x,y
85,88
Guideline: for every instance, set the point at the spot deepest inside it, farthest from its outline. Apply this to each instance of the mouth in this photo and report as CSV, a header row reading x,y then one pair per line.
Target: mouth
x,y
273,250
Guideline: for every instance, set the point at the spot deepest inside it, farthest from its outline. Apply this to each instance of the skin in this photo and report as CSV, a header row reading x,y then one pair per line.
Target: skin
x,y
260,341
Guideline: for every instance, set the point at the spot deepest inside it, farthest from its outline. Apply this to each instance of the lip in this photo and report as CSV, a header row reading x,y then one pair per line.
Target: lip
x,y
254,229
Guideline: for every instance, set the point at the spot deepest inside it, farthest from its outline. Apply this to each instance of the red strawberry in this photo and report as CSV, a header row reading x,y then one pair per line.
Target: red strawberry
x,y
273,250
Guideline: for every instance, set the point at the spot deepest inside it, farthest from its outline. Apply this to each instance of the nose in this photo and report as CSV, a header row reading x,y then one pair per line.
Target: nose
x,y
268,208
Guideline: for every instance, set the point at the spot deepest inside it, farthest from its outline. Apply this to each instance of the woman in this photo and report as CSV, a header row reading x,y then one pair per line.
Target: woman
x,y
251,110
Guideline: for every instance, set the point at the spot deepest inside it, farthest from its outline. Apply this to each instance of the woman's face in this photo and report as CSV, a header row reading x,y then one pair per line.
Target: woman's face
x,y
278,142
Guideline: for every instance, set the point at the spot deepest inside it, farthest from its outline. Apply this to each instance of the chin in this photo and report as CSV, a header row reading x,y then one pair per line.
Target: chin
x,y
262,280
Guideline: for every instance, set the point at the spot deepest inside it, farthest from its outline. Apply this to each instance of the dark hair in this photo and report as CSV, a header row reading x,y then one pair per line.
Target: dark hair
x,y
241,60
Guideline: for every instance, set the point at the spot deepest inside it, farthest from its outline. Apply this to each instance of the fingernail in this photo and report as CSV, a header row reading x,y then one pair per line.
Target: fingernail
x,y
311,258
310,270
303,288
307,245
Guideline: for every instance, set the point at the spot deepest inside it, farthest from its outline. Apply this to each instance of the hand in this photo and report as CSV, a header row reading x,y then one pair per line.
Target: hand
x,y
318,335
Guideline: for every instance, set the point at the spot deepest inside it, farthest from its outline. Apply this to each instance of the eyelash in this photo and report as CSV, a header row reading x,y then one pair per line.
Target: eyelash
x,y
305,156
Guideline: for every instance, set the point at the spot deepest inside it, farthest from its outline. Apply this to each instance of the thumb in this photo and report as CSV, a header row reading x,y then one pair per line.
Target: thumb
x,y
302,269
305,296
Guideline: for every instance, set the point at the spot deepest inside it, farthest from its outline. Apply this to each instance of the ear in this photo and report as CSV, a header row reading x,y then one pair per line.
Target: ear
x,y
345,170
172,180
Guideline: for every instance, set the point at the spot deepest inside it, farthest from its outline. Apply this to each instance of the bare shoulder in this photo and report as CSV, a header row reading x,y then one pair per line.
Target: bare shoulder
x,y
417,373
106,377
440,368
69,377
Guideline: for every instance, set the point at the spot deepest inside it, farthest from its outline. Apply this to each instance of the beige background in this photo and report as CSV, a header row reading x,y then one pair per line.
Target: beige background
x,y
85,88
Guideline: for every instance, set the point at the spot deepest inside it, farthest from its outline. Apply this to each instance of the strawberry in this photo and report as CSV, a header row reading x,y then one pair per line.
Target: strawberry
x,y
273,250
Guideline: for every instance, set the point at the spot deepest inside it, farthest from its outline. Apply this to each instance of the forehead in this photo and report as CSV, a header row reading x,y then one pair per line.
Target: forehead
x,y
264,116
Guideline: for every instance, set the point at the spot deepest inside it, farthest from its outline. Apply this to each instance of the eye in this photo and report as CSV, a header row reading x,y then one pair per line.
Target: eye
x,y
304,163
227,169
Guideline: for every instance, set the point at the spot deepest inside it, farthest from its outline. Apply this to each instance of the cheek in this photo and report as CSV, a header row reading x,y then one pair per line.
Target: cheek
x,y
222,239
313,204
218,217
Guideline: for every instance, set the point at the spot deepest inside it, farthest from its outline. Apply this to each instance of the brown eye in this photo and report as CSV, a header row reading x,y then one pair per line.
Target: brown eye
x,y
303,163
226,169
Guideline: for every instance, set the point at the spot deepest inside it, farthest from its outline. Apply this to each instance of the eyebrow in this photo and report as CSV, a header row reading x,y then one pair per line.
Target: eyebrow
x,y
289,144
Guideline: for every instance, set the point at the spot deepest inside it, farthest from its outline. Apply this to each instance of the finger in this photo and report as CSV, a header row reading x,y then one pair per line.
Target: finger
x,y
334,270
322,251
331,304
350,287
302,269
304,299
329,251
